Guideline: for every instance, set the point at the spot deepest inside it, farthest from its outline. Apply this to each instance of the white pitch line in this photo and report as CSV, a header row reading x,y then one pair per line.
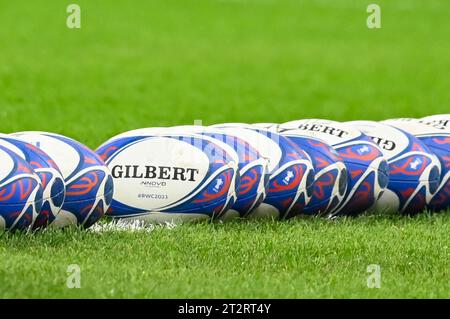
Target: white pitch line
x,y
130,225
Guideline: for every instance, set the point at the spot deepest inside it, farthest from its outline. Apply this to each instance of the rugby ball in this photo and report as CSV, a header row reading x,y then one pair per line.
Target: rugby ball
x,y
413,170
253,170
367,168
89,185
164,177
49,174
291,173
439,121
20,192
330,182
437,138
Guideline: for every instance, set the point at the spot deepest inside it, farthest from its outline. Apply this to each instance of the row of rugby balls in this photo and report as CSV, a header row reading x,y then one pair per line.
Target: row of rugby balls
x,y
313,167
48,179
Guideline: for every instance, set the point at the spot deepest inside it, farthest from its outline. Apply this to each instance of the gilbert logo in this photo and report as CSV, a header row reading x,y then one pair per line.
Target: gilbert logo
x,y
155,172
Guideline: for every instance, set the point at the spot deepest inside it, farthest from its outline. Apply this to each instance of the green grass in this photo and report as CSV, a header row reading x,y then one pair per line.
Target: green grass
x,y
153,63
302,258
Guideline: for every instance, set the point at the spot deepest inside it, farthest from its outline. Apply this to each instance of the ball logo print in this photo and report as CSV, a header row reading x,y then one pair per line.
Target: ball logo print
x,y
73,20
205,149
414,170
73,276
88,181
49,174
206,192
289,176
366,166
330,181
437,139
20,192
253,169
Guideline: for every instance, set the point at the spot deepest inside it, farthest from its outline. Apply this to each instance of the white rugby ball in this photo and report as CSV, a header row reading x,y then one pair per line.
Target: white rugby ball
x,y
291,173
163,177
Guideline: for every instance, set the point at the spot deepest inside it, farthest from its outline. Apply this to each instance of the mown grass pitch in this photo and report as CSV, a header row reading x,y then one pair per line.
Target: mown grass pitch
x,y
302,258
151,63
